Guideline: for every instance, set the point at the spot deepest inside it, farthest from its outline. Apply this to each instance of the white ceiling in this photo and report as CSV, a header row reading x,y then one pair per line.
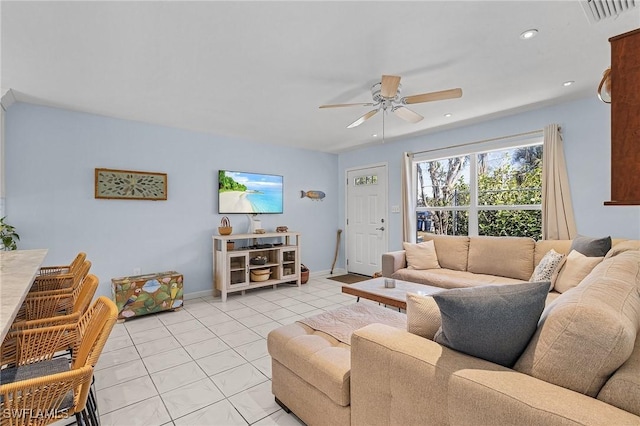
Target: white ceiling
x,y
259,70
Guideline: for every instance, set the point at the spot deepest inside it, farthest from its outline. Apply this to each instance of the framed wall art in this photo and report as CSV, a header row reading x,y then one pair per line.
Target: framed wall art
x,y
130,185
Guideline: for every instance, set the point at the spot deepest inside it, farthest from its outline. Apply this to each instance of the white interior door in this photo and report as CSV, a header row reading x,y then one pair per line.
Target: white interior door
x,y
366,219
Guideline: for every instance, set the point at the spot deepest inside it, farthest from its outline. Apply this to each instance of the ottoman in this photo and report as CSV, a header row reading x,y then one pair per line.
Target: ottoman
x,y
311,368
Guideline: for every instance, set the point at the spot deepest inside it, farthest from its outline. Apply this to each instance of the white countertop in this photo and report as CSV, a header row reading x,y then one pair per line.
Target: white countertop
x,y
18,269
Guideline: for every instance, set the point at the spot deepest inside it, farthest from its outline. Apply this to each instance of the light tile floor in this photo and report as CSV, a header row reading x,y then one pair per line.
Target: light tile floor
x,y
206,364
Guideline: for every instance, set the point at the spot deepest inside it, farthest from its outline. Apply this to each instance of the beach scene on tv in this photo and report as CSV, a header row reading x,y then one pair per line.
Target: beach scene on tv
x,y
240,192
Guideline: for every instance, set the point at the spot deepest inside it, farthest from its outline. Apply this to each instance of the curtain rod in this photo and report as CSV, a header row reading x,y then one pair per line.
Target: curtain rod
x,y
533,132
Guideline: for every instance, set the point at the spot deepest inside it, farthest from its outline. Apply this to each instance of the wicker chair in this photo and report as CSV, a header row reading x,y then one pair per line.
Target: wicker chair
x,y
44,309
38,389
62,269
58,277
43,304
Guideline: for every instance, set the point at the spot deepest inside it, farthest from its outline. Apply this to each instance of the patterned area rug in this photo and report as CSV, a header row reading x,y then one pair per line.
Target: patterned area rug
x,y
350,278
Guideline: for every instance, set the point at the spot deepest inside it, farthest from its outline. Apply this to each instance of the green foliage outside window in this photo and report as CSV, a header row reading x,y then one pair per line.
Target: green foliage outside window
x,y
506,178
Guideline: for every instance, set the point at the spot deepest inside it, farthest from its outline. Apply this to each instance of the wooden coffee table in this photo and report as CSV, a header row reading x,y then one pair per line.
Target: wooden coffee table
x,y
375,290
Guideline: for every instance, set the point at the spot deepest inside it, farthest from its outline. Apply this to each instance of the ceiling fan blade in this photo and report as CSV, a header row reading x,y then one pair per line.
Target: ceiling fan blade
x,y
362,119
345,105
407,114
389,85
433,96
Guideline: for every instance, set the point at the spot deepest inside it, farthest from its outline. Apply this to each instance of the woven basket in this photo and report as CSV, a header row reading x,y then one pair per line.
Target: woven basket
x,y
225,230
260,274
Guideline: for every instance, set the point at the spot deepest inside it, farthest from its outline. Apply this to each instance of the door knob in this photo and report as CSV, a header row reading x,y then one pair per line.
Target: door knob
x,y
380,229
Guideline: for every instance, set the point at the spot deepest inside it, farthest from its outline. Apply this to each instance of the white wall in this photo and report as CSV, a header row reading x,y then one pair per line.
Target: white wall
x,y
51,155
586,133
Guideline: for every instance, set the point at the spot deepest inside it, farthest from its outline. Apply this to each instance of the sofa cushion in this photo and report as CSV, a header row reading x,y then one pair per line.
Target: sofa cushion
x,y
421,256
575,268
589,332
623,246
546,269
491,322
423,315
504,256
452,250
591,247
447,278
316,357
543,247
622,390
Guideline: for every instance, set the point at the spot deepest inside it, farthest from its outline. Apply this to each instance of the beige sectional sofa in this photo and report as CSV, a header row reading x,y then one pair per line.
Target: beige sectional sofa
x,y
472,261
582,366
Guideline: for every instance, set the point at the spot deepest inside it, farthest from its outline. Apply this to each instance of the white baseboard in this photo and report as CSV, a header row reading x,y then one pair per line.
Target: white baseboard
x,y
312,274
197,294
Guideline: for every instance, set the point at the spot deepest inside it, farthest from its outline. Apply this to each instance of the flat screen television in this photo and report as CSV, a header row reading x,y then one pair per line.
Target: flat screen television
x,y
249,193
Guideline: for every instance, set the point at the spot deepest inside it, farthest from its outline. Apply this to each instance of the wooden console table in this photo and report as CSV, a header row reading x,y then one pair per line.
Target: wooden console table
x,y
232,267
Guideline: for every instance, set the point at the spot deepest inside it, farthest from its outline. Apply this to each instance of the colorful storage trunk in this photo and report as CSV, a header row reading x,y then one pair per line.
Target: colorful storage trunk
x,y
146,294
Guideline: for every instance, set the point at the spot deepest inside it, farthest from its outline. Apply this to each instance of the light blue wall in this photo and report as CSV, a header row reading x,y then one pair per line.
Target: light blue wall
x,y
51,155
586,133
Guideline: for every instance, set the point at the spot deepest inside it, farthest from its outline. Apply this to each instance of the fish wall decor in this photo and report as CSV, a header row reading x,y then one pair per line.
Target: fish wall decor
x,y
314,195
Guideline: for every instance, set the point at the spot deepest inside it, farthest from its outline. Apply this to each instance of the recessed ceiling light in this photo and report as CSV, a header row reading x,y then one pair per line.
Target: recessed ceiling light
x,y
374,135
448,115
568,83
526,35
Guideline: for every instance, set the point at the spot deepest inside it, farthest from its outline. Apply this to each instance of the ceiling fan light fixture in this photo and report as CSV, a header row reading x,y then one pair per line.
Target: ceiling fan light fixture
x,y
529,34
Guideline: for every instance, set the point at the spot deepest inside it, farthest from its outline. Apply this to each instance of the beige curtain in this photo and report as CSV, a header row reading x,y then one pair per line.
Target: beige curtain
x,y
408,208
558,222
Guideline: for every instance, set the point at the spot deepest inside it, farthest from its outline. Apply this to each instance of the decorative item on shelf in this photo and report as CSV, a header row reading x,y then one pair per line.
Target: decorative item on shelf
x,y
282,229
259,231
604,89
231,245
260,274
304,274
258,260
254,224
313,195
225,226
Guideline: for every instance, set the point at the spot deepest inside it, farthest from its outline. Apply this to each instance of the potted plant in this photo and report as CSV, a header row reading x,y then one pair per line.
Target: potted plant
x,y
8,236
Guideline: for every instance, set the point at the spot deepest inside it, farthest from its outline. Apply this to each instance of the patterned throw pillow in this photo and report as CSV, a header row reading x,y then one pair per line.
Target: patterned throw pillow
x,y
547,267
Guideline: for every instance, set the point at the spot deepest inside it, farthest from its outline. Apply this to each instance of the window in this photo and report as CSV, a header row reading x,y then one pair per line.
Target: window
x,y
490,192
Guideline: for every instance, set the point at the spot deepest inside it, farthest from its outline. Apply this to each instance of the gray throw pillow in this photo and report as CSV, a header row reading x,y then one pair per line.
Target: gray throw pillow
x,y
493,322
591,247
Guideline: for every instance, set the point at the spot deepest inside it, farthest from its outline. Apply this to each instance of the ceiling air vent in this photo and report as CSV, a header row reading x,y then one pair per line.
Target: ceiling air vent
x,y
599,10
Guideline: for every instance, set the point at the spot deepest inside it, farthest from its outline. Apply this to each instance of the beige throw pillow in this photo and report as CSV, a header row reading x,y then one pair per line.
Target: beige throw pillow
x,y
423,315
421,256
576,267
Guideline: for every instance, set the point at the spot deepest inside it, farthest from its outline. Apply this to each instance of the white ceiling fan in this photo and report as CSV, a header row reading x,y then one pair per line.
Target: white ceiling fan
x,y
386,97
